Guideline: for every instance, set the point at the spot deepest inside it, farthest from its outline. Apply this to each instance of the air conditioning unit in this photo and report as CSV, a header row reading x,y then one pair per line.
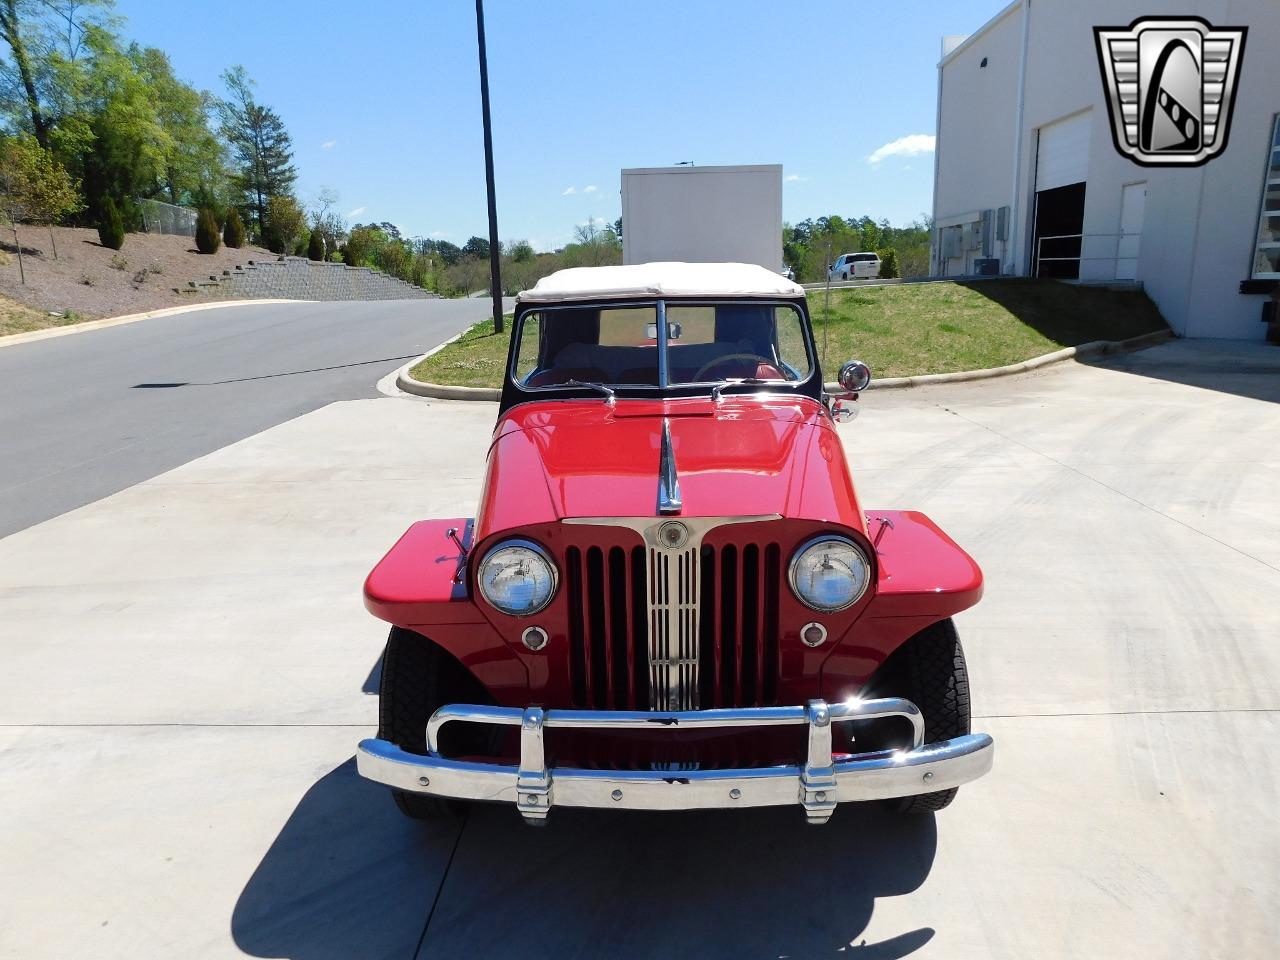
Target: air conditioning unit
x,y
987,266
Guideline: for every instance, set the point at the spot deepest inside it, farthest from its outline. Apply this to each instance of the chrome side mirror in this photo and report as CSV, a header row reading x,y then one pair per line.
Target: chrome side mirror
x,y
855,376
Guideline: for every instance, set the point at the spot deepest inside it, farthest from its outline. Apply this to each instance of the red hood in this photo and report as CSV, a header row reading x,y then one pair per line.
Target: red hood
x,y
745,456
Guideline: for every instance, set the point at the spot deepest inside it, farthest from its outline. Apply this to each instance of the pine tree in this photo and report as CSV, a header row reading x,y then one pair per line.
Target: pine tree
x,y
207,238
261,145
110,226
233,232
315,246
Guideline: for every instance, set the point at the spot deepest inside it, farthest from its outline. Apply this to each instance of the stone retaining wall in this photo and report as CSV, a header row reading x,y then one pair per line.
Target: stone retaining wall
x,y
297,278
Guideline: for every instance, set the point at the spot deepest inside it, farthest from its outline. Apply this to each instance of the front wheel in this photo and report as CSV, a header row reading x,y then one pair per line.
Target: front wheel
x,y
929,670
417,679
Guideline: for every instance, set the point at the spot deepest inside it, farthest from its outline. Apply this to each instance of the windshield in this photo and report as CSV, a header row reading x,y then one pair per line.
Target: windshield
x,y
710,343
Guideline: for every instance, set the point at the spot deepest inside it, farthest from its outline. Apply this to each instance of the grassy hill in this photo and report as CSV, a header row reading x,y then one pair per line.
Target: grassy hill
x,y
902,330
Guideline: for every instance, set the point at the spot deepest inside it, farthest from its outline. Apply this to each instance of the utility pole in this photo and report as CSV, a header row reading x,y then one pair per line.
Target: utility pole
x,y
495,253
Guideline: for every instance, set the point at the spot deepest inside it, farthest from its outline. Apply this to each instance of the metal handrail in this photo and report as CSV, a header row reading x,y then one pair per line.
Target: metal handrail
x,y
1082,237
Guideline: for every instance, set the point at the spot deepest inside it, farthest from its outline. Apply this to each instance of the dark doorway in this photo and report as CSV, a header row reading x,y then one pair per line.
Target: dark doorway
x,y
1059,214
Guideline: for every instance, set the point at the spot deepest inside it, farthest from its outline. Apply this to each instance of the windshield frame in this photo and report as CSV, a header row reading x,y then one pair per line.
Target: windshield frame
x,y
513,392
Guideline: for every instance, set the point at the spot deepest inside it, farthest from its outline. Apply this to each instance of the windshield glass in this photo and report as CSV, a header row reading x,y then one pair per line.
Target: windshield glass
x,y
619,346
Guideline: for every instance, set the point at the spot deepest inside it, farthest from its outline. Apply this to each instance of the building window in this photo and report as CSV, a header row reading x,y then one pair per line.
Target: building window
x,y
1266,258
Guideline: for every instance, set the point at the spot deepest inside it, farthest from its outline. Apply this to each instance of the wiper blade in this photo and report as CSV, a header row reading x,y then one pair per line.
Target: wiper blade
x,y
735,382
607,391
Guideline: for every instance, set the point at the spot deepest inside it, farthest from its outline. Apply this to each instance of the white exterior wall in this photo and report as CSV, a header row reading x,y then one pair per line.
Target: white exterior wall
x,y
703,214
977,120
1200,224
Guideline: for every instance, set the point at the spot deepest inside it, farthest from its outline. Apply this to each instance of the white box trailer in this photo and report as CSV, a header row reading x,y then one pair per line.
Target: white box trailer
x,y
703,214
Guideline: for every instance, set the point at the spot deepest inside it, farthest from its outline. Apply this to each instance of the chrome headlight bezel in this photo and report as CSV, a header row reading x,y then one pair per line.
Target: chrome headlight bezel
x,y
540,554
805,547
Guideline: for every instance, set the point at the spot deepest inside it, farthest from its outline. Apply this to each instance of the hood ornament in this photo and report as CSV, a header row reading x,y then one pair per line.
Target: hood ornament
x,y
668,483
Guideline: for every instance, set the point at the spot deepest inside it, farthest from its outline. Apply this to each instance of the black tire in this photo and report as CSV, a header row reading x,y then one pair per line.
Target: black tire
x,y
418,678
929,671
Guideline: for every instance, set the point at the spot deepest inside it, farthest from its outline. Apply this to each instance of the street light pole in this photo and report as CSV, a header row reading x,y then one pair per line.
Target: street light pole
x,y
495,267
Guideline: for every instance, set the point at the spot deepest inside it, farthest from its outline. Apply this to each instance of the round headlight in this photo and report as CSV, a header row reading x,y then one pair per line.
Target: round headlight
x,y
517,577
829,574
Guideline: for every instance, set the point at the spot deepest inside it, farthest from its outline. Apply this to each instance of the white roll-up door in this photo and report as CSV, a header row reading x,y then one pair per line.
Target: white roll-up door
x,y
1063,155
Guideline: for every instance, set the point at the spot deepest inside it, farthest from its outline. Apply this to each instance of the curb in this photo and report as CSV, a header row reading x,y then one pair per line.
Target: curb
x,y
441,391
1092,349
89,325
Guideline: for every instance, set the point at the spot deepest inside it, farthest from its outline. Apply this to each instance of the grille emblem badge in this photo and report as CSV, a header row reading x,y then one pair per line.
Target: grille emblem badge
x,y
673,534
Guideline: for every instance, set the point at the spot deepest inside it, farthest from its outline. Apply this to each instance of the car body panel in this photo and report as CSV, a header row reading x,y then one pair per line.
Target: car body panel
x,y
739,456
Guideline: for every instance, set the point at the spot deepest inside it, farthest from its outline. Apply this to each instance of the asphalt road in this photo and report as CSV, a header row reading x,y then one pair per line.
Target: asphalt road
x,y
86,415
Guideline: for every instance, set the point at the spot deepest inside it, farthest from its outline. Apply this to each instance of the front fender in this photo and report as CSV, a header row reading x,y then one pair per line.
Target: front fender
x,y
416,586
923,576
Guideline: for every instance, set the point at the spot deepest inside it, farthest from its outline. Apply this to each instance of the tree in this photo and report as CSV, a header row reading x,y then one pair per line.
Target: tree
x,y
35,188
233,230
888,263
15,27
315,246
477,248
194,166
449,253
594,245
207,238
261,146
520,251
110,226
284,223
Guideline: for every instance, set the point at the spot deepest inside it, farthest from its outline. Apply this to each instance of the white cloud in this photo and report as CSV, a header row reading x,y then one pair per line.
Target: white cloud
x,y
568,191
590,189
355,213
794,178
328,144
437,234
908,146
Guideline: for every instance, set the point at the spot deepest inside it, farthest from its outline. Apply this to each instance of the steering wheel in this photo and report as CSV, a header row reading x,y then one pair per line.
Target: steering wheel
x,y
712,364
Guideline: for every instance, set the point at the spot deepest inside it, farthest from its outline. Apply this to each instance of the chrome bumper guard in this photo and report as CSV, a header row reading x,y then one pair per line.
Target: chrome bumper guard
x,y
817,785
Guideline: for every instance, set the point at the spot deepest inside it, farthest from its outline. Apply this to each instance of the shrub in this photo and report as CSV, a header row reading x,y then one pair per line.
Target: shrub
x,y
233,232
207,238
888,264
110,226
118,262
315,247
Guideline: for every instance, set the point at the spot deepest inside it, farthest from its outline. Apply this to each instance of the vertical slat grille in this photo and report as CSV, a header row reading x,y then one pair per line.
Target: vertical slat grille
x,y
673,629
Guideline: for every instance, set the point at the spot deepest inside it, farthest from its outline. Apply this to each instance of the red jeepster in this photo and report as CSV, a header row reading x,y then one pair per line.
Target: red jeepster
x,y
670,597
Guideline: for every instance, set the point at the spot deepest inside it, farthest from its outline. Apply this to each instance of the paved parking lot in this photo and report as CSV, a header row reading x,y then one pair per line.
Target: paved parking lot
x,y
185,668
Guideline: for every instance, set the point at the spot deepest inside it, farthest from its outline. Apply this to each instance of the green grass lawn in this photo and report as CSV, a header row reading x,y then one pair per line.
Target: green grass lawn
x,y
476,359
901,330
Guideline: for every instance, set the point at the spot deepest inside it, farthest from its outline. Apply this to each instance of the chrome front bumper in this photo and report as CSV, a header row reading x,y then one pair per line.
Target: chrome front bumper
x,y
817,785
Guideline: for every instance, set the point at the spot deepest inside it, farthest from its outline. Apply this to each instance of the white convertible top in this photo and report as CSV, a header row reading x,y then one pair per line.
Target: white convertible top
x,y
661,280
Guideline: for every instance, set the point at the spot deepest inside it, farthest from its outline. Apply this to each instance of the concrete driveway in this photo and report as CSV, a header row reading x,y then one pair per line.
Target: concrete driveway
x,y
185,668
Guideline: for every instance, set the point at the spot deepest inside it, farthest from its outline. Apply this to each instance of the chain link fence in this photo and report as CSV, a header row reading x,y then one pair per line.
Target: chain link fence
x,y
160,217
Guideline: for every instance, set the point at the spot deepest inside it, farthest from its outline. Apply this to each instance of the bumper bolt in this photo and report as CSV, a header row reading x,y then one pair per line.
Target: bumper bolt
x,y
425,781
735,794
928,776
617,794
821,796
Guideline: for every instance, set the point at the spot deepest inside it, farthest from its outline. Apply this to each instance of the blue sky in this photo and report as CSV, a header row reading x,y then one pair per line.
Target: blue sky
x,y
382,99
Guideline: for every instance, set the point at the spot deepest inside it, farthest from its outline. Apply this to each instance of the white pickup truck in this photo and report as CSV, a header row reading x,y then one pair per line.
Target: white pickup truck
x,y
855,266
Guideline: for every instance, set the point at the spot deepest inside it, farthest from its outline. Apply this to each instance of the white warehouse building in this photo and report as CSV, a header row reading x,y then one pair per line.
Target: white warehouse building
x,y
1029,180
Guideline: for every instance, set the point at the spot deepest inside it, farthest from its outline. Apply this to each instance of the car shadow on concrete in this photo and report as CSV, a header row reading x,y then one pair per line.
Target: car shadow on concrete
x,y
349,877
